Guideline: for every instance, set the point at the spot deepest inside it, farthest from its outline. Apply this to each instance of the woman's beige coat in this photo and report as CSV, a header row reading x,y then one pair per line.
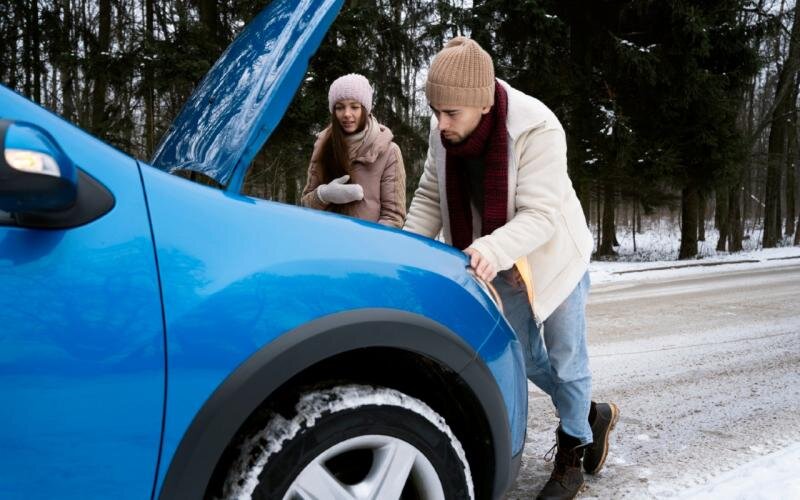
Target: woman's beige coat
x,y
546,235
376,165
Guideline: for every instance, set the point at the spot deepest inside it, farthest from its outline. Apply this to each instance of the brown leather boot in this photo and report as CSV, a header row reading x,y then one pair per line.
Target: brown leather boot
x,y
602,417
566,481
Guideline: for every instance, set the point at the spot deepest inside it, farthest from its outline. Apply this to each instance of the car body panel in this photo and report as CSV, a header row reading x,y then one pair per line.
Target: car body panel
x,y
81,343
243,97
273,267
502,352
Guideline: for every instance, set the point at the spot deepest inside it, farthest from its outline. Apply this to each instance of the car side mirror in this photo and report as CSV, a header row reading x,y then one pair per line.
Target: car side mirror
x,y
35,173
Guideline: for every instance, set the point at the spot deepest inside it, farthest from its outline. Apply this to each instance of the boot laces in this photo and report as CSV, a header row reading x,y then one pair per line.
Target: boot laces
x,y
548,457
560,465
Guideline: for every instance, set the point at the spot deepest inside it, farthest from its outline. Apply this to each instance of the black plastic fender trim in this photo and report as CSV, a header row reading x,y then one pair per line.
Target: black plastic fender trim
x,y
244,390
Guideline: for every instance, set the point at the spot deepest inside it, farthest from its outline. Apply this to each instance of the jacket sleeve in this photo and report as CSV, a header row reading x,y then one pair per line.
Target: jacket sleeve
x,y
309,198
393,190
425,215
542,182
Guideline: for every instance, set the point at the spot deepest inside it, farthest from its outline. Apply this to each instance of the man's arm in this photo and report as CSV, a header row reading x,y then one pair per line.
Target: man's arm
x,y
542,181
425,215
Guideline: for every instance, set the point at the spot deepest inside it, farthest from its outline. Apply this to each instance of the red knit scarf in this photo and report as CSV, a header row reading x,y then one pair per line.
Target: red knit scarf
x,y
488,141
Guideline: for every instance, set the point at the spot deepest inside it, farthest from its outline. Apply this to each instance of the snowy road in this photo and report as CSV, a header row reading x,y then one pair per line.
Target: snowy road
x,y
705,370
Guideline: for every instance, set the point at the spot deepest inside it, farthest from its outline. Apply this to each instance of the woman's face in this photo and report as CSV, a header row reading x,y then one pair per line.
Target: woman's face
x,y
348,113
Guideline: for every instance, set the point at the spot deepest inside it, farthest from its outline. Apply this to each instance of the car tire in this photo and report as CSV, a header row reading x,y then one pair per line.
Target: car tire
x,y
352,441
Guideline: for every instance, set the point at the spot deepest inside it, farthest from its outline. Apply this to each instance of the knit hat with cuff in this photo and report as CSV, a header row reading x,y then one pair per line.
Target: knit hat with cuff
x,y
461,74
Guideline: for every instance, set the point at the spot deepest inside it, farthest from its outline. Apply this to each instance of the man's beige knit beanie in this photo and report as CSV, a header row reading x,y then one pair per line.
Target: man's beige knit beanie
x,y
461,74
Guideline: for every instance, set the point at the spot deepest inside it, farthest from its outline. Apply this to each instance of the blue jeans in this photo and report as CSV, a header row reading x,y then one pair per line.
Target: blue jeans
x,y
556,358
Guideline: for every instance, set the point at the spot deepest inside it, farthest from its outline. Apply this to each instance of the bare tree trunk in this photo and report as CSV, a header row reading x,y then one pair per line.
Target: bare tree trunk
x,y
638,216
722,219
585,196
209,17
791,157
52,102
747,209
772,191
609,233
101,75
783,107
291,188
701,217
149,97
634,221
66,68
735,219
797,232
599,214
689,207
5,27
27,57
36,51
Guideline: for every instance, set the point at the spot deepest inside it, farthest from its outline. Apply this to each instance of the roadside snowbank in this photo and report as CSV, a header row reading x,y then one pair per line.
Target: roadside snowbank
x,y
604,272
772,477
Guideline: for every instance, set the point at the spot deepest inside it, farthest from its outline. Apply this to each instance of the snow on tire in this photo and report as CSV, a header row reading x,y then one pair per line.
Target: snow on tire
x,y
353,442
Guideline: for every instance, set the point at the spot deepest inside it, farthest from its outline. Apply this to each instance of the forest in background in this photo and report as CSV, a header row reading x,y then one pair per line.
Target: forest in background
x,y
668,104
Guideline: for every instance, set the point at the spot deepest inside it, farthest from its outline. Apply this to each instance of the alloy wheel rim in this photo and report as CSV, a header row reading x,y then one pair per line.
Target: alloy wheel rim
x,y
367,467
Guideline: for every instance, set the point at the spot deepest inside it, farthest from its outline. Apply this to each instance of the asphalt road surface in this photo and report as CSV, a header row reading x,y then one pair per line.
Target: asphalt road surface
x,y
705,370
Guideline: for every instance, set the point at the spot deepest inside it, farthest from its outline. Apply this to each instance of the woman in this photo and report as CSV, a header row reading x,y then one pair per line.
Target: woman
x,y
355,168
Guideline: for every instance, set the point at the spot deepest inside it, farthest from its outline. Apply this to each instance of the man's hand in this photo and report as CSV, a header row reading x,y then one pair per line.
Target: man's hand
x,y
481,265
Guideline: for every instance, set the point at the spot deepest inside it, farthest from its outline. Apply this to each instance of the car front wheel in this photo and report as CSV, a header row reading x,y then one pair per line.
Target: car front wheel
x,y
353,442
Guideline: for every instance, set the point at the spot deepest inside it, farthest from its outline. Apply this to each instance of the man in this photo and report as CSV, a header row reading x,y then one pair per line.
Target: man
x,y
495,184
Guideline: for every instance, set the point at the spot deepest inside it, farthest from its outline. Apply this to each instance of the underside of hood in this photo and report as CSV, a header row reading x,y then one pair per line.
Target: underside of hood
x,y
243,97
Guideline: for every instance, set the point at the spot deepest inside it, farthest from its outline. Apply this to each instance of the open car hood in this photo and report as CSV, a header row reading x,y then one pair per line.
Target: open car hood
x,y
243,97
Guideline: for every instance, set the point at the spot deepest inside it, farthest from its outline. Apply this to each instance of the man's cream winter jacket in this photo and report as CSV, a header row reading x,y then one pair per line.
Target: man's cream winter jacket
x,y
546,234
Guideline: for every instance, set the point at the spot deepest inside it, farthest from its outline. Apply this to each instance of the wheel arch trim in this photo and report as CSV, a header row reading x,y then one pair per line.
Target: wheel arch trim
x,y
290,354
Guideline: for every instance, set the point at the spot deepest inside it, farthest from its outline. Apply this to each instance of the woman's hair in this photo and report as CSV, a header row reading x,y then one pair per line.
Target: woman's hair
x,y
335,152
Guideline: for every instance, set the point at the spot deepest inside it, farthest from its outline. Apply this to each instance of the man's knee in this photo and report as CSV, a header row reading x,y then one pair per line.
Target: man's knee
x,y
570,374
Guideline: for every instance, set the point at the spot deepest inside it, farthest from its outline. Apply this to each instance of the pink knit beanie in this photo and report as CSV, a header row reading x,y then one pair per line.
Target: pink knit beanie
x,y
352,86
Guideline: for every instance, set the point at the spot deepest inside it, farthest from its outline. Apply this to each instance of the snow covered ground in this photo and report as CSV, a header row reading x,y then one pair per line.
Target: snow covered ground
x,y
661,239
772,477
657,251
703,357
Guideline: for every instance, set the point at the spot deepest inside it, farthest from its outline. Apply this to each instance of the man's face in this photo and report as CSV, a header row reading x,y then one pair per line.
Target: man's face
x,y
457,122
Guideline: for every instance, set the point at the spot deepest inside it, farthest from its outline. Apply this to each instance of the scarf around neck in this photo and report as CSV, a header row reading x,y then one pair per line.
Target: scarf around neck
x,y
488,142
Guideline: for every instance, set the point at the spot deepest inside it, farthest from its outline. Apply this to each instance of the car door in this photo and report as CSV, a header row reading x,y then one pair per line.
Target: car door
x,y
82,365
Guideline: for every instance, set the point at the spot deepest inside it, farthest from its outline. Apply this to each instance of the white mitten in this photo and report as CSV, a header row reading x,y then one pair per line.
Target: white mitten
x,y
339,192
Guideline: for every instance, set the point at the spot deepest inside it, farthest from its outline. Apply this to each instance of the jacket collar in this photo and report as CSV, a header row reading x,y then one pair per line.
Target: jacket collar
x,y
377,138
524,112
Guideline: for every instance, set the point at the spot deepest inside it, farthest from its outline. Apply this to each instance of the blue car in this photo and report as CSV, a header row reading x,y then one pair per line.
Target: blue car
x,y
160,338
